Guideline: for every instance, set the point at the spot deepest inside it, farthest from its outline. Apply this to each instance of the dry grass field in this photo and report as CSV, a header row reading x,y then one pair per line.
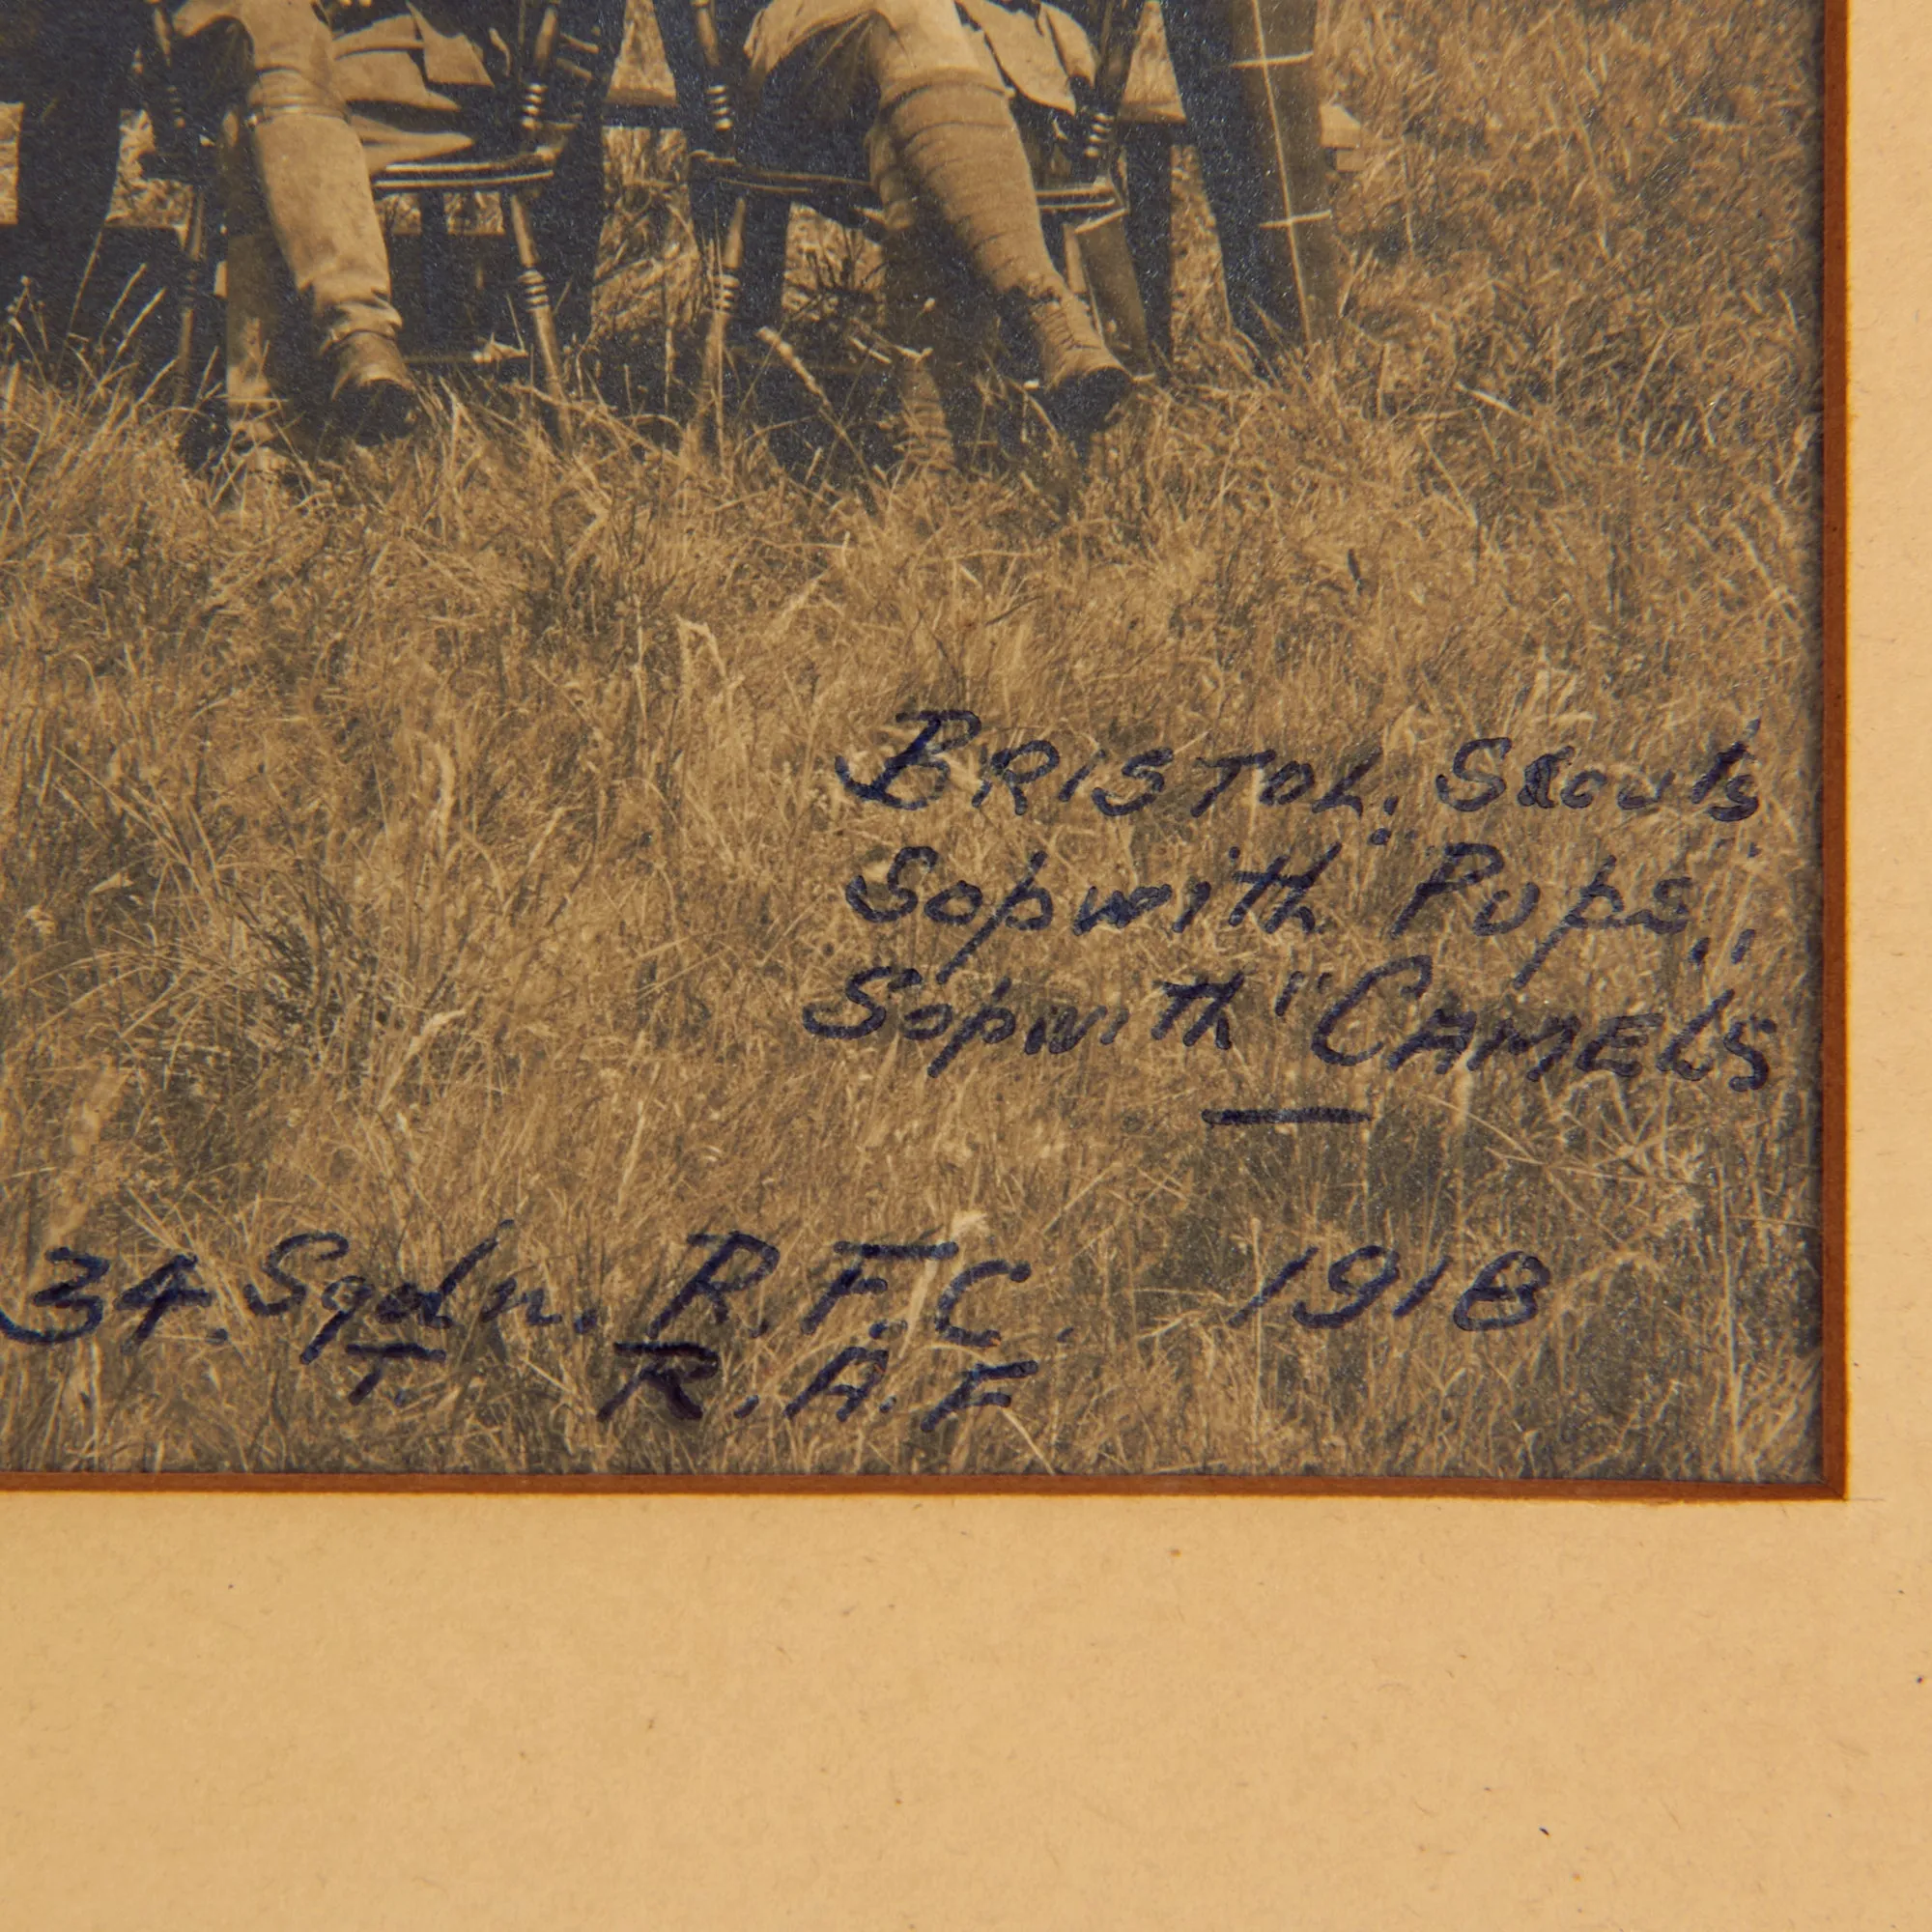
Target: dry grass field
x,y
462,845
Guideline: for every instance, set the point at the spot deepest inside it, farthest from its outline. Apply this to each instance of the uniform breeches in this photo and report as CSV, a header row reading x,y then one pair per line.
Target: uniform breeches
x,y
899,36
268,56
822,106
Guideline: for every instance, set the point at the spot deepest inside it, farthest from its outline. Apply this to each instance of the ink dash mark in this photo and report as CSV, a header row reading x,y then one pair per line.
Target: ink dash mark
x,y
1285,1117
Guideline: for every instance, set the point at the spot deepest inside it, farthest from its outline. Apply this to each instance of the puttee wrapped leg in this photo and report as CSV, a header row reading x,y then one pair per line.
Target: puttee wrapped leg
x,y
953,138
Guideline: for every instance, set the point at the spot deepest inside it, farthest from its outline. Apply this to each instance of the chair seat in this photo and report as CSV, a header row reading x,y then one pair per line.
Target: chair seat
x,y
1060,199
481,174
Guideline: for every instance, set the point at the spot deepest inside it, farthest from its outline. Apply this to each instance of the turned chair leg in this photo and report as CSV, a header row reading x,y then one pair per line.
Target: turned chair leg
x,y
724,287
534,291
194,271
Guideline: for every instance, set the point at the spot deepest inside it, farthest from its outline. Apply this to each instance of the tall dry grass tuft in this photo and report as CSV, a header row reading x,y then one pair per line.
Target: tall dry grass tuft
x,y
460,843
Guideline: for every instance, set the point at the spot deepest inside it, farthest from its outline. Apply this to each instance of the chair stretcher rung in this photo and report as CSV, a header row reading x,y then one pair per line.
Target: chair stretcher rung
x,y
485,355
1061,198
453,177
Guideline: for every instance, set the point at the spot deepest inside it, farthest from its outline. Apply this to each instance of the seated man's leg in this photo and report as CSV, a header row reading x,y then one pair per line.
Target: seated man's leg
x,y
290,138
953,138
954,141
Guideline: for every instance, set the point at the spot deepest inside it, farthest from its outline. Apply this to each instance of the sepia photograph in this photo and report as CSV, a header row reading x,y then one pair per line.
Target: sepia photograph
x,y
922,743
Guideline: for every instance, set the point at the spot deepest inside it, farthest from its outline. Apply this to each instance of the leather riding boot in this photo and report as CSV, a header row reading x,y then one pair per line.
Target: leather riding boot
x,y
954,138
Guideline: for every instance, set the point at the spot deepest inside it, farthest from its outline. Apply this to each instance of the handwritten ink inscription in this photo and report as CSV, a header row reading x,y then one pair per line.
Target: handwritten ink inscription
x,y
1336,1029
1399,1010
381,1333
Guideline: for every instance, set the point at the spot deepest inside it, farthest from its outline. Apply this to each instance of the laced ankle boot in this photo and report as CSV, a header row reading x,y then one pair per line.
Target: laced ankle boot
x,y
1081,383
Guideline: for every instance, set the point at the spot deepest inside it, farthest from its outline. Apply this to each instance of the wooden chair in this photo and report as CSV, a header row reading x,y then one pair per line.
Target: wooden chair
x,y
742,211
560,63
1134,115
